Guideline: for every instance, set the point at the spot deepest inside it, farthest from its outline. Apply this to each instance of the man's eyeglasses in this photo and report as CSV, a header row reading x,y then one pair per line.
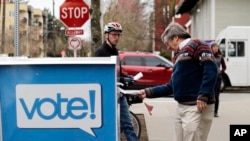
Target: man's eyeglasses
x,y
115,35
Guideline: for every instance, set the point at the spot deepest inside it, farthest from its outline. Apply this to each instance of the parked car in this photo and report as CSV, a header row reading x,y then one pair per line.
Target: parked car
x,y
156,69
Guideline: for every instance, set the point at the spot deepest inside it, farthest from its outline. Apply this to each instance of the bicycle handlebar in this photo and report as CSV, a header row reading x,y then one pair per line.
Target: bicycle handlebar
x,y
132,97
126,80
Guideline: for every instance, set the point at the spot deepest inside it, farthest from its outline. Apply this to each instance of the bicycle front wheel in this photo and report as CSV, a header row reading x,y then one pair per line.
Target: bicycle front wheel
x,y
136,124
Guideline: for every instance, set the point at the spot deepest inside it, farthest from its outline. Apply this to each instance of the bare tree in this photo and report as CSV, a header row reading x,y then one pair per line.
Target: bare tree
x,y
135,23
164,12
9,42
55,40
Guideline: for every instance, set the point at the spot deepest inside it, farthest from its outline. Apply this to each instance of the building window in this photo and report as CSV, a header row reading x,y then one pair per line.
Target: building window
x,y
11,14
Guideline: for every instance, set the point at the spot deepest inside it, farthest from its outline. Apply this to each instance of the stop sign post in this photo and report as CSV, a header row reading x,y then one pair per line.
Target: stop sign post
x,y
74,13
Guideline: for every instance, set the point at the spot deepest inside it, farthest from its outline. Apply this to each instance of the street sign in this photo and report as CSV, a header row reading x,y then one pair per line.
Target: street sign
x,y
74,43
73,32
74,13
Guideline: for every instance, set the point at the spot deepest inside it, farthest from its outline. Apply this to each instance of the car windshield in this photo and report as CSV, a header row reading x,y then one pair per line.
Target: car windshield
x,y
169,62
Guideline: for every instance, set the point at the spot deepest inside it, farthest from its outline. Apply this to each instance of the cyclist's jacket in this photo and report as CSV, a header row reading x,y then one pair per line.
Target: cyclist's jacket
x,y
194,75
106,51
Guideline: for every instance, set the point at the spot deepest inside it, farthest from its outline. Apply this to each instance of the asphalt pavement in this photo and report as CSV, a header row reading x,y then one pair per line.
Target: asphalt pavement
x,y
234,109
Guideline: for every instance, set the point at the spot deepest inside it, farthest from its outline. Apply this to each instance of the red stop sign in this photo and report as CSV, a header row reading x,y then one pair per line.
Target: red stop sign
x,y
74,13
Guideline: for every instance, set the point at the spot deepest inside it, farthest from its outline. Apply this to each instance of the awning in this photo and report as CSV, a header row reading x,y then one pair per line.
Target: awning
x,y
186,6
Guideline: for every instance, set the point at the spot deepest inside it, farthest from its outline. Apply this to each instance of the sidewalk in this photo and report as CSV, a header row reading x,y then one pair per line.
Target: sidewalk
x,y
234,109
160,123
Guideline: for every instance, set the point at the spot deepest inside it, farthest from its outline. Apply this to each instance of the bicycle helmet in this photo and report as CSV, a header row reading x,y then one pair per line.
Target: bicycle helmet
x,y
112,26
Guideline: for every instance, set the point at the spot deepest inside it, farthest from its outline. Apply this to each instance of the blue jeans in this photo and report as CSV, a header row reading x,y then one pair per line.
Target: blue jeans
x,y
125,121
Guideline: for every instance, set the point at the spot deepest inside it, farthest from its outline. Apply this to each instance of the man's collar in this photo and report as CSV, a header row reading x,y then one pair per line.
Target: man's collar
x,y
183,43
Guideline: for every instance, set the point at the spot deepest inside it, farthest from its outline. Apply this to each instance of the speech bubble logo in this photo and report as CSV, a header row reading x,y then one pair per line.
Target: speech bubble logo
x,y
59,106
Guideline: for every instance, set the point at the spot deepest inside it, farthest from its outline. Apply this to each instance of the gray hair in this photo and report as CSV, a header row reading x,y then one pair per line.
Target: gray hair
x,y
172,30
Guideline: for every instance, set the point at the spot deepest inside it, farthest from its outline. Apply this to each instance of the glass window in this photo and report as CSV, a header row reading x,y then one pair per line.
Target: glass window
x,y
232,49
11,13
241,49
132,61
236,49
222,47
153,61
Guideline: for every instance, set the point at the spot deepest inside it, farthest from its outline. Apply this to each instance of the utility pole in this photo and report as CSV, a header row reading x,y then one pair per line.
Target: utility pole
x,y
53,8
54,28
16,38
46,34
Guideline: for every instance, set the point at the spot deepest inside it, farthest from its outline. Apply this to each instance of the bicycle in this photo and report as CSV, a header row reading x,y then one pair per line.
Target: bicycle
x,y
132,98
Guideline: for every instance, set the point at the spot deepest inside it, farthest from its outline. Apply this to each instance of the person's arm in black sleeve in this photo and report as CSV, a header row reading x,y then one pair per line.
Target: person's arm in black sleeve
x,y
223,65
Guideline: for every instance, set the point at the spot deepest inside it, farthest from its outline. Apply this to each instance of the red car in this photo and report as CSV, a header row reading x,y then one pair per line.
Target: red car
x,y
156,69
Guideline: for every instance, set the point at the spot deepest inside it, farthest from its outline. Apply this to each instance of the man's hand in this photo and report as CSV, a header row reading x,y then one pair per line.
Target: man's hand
x,y
142,94
201,105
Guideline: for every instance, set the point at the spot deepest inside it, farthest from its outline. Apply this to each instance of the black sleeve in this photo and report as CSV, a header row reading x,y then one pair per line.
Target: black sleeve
x,y
98,53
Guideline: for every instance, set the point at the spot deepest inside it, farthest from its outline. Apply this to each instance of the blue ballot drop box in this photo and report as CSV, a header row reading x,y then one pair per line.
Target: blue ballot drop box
x,y
58,99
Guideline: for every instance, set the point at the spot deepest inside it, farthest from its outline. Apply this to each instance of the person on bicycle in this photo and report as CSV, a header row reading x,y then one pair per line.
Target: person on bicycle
x,y
112,33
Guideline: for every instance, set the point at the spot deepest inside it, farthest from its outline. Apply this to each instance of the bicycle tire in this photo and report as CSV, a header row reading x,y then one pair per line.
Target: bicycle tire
x,y
136,123
137,126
